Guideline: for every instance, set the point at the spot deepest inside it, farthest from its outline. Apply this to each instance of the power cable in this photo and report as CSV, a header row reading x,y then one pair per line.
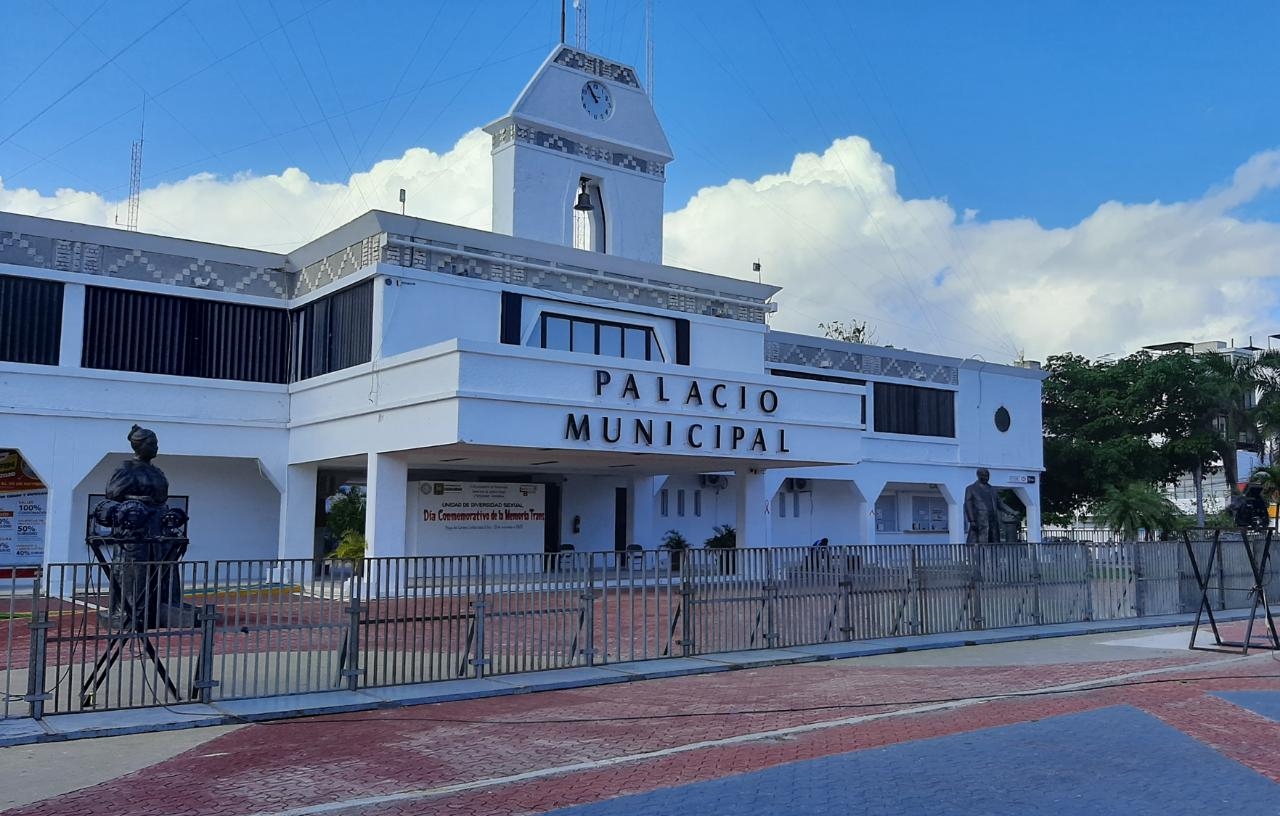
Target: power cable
x,y
75,30
90,131
953,237
319,105
857,188
94,72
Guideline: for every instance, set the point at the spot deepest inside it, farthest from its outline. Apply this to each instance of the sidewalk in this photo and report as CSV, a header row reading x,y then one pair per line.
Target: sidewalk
x,y
21,731
1029,721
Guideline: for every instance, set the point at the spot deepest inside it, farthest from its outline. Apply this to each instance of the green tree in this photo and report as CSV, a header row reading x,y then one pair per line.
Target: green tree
x,y
1136,507
855,332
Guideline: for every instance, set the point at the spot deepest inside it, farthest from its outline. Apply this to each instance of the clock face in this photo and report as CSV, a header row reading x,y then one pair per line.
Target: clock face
x,y
596,100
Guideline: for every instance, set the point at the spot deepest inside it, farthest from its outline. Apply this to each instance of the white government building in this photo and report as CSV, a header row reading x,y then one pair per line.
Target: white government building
x,y
546,384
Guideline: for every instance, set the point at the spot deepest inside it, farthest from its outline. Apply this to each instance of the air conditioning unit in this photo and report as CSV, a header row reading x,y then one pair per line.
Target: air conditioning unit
x,y
713,481
796,485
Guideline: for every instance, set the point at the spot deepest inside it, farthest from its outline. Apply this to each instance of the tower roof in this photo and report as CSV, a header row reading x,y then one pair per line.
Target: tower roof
x,y
551,103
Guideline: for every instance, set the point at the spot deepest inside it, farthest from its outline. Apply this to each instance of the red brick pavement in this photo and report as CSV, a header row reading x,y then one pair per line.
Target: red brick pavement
x,y
319,760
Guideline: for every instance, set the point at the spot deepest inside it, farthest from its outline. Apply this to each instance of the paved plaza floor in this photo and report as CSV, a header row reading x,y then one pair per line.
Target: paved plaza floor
x,y
1125,723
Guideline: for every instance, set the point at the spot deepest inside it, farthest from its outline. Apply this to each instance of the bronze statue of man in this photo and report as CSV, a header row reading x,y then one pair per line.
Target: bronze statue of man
x,y
981,511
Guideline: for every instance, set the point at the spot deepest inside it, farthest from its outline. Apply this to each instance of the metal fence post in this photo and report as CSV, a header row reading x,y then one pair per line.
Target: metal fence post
x,y
39,628
351,671
915,585
478,605
588,600
978,555
1139,584
1086,558
1033,557
770,601
203,684
846,599
686,606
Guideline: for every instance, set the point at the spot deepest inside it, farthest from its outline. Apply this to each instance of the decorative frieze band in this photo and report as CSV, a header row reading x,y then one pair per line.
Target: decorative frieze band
x,y
596,66
564,144
854,362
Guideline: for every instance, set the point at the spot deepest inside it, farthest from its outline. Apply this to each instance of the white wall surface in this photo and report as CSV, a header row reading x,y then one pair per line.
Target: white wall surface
x,y
234,509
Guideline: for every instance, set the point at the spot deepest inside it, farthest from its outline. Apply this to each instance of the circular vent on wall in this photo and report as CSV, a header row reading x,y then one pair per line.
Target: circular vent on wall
x,y
1002,419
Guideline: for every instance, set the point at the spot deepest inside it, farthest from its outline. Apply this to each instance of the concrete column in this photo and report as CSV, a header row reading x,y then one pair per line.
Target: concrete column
x,y
298,512
381,293
71,342
953,492
388,487
640,511
870,488
1031,498
753,507
853,529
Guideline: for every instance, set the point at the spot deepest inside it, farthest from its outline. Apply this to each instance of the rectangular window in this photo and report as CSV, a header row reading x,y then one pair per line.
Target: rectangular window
x,y
782,504
635,343
697,503
186,337
795,504
887,513
663,503
600,337
929,514
910,409
333,332
680,503
30,320
584,336
555,333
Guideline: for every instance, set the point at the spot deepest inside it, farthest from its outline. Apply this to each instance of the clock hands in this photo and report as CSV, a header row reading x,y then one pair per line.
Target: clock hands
x,y
592,91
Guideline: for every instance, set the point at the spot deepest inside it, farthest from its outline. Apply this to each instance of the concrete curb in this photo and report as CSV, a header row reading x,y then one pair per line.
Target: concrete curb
x,y
60,727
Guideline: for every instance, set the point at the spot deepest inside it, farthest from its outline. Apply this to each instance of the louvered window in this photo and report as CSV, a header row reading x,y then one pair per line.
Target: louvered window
x,y
30,320
189,337
333,332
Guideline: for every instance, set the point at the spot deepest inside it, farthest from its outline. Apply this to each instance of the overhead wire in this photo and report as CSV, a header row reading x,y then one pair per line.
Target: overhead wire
x,y
319,105
57,99
74,30
855,186
127,111
954,238
191,133
304,126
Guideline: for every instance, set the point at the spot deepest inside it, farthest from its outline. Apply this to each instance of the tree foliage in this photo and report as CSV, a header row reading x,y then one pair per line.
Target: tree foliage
x,y
855,332
1138,507
1146,419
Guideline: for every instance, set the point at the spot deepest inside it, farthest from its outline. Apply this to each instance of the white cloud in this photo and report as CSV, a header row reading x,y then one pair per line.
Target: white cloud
x,y
285,210
835,233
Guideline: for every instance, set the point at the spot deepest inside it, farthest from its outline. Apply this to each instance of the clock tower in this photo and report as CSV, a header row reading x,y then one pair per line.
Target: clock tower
x,y
580,159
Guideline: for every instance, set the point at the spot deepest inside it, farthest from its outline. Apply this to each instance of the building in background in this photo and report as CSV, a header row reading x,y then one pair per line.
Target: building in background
x,y
548,384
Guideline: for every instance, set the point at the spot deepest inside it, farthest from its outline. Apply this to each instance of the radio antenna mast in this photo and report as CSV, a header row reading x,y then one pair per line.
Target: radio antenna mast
x,y
580,6
135,176
648,47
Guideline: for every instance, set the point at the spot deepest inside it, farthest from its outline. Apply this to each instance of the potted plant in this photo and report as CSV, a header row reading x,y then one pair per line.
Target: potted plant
x,y
725,538
345,521
674,542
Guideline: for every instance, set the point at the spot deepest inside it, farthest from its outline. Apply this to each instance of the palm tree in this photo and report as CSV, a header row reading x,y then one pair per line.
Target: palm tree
x,y
1240,385
1138,506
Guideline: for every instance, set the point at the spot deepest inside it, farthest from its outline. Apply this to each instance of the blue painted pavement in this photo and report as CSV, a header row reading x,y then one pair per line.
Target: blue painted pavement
x,y
1266,703
1110,761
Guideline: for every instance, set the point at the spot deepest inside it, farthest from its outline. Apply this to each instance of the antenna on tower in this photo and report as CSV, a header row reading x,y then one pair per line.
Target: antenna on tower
x,y
135,175
648,47
580,6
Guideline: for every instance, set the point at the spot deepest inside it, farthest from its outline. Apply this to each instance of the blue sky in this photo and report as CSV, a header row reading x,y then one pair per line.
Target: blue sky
x,y
1014,110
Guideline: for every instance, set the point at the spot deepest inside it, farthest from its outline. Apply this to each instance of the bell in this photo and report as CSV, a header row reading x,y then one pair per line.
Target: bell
x,y
584,200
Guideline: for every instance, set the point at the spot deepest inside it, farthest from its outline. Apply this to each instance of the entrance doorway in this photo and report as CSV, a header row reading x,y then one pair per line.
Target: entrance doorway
x,y
620,519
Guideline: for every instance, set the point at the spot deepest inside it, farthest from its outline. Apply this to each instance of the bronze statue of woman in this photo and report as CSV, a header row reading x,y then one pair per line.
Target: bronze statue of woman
x,y
137,478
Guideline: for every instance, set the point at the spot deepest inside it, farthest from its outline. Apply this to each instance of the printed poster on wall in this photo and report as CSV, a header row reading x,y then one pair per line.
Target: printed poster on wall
x,y
481,517
23,502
